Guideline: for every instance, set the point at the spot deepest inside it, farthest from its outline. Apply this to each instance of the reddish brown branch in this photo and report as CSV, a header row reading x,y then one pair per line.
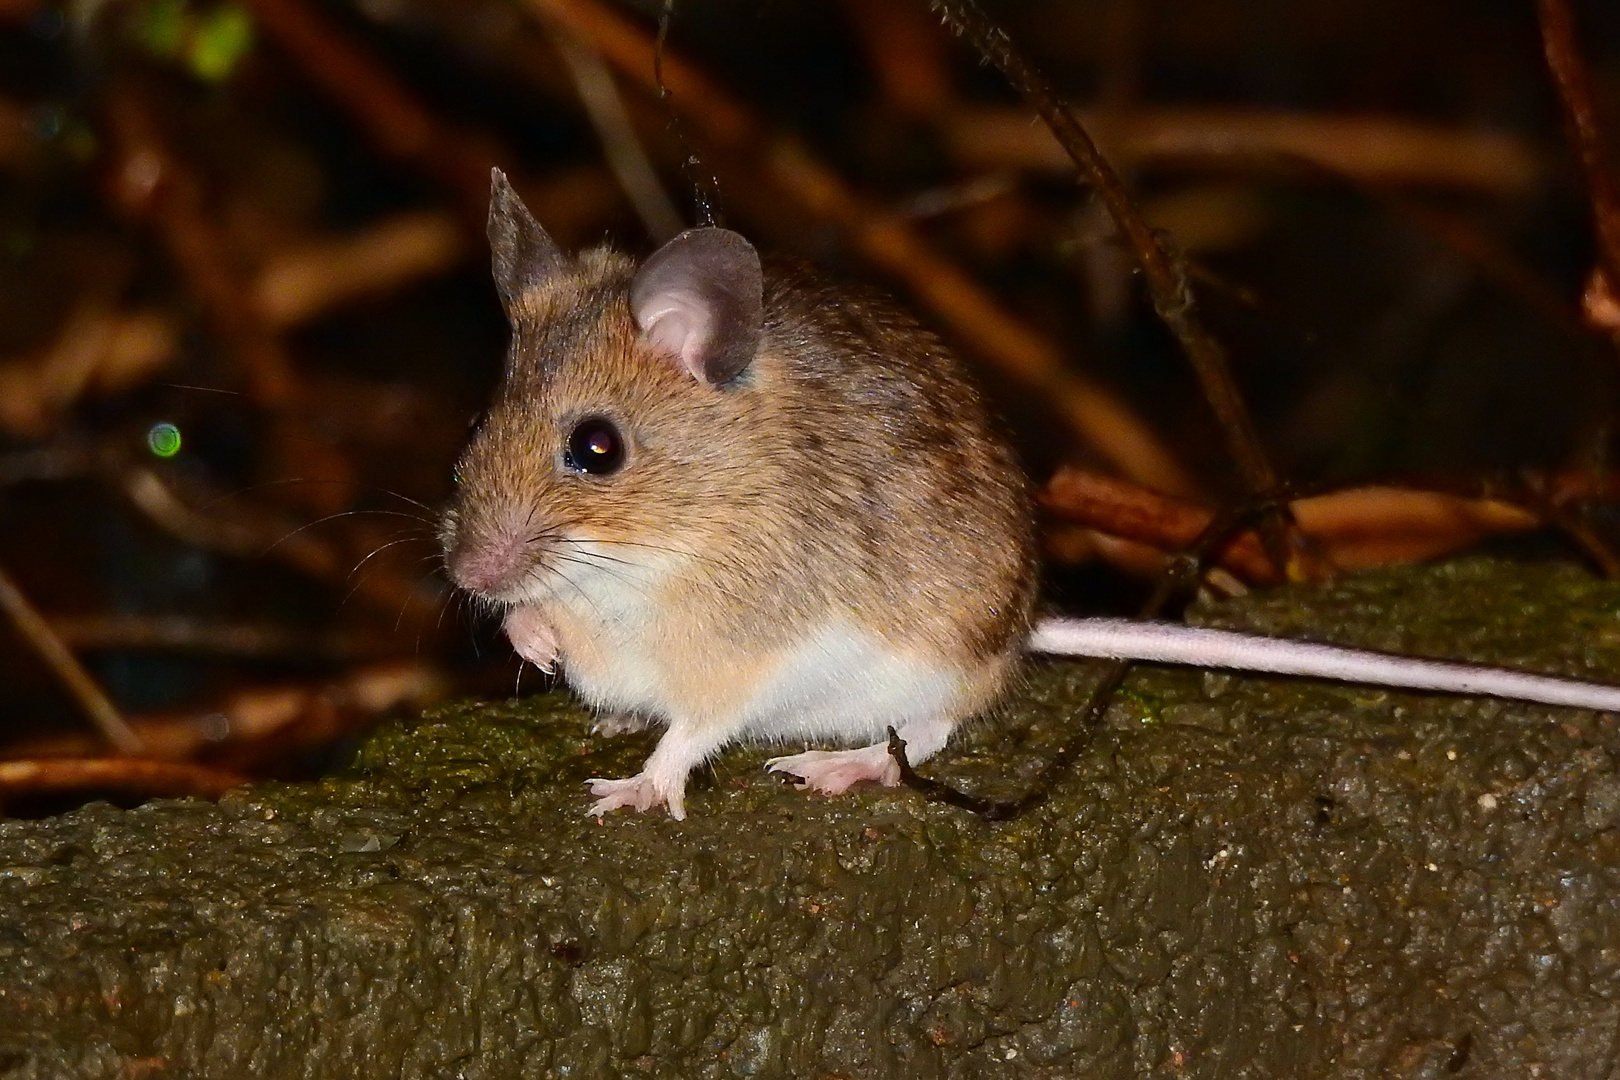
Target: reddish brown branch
x,y
1375,150
255,729
1352,529
131,775
399,125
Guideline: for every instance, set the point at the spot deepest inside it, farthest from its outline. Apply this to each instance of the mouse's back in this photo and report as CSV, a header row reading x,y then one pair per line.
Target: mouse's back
x,y
921,502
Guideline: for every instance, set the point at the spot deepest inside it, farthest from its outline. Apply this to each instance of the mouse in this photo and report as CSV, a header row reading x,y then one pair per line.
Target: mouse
x,y
725,496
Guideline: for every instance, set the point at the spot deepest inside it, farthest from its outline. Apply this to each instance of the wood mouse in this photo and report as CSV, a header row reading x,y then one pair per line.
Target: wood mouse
x,y
747,505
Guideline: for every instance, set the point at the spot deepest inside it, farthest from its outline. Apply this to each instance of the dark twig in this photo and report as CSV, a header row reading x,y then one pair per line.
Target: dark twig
x,y
786,169
1568,519
1179,576
91,698
1162,268
705,188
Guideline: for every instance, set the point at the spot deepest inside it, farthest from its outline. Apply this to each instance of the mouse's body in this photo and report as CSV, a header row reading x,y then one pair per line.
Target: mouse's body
x,y
747,505
801,548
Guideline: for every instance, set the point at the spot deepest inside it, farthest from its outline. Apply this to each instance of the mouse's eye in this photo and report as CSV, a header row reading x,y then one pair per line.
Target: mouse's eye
x,y
594,446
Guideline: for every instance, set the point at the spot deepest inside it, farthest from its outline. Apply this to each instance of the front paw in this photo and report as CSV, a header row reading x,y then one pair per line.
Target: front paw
x,y
532,637
639,793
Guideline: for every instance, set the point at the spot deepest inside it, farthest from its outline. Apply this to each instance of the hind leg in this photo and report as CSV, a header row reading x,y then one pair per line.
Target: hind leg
x,y
833,771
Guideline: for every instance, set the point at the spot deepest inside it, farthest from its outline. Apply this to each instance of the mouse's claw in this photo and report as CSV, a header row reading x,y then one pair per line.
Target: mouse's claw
x,y
639,793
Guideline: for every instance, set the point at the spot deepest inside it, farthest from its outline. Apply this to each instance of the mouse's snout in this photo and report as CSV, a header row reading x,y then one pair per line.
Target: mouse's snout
x,y
492,563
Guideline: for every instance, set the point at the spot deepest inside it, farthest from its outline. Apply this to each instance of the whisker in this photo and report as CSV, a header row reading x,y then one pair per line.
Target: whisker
x,y
379,550
664,548
356,484
344,514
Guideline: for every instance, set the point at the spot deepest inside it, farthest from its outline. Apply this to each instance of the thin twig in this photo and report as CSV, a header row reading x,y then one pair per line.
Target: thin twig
x,y
1165,276
399,125
705,186
253,531
91,698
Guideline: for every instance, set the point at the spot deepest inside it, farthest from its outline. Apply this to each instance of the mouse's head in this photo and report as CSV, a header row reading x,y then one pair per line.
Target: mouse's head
x,y
617,439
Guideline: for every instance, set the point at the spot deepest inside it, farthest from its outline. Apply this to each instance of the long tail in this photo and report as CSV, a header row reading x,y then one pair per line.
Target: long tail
x,y
1173,643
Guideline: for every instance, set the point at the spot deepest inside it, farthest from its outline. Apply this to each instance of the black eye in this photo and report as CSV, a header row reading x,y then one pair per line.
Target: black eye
x,y
594,446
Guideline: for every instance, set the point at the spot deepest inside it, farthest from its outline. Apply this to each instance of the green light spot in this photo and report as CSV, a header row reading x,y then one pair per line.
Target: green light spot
x,y
163,440
220,40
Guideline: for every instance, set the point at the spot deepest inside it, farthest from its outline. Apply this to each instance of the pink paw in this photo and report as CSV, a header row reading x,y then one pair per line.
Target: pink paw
x,y
834,771
532,637
639,793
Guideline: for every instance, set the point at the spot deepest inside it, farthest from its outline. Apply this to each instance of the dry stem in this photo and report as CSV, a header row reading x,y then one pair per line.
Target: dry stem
x,y
91,698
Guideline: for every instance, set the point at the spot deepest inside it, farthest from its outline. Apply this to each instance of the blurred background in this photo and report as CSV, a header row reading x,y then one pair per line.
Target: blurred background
x,y
246,317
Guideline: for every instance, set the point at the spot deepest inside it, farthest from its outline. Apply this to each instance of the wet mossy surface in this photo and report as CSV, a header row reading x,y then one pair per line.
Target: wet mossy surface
x,y
1242,877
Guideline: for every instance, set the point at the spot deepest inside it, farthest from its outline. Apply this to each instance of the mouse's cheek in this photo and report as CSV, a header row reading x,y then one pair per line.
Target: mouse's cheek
x,y
532,637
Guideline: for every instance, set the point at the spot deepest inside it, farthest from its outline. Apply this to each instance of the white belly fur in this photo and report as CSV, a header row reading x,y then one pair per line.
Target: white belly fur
x,y
843,685
847,685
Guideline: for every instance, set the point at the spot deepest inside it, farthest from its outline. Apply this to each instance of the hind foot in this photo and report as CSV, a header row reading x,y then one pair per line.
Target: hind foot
x,y
832,772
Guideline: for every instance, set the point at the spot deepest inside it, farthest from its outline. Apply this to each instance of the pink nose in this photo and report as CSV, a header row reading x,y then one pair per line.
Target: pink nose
x,y
489,566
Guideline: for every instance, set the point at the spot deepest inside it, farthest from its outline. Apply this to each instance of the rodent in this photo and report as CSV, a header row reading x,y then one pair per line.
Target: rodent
x,y
745,504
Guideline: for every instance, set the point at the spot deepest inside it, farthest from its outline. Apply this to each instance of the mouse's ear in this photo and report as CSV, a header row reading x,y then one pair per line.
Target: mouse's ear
x,y
701,297
521,253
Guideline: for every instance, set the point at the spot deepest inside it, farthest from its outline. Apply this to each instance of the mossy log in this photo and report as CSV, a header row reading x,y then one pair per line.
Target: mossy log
x,y
1241,877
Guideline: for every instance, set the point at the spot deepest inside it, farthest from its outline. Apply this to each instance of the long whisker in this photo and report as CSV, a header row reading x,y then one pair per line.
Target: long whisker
x,y
382,548
663,548
289,480
344,514
596,560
